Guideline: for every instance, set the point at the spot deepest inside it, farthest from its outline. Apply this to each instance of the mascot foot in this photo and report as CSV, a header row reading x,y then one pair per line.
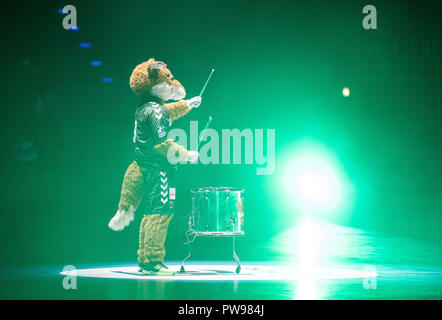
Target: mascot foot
x,y
122,219
156,268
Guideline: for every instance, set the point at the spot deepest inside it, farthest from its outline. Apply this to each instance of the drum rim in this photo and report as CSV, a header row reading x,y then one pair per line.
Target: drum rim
x,y
219,233
211,189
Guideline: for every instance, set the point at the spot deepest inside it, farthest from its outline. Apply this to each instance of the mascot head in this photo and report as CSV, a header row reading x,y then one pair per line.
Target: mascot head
x,y
153,78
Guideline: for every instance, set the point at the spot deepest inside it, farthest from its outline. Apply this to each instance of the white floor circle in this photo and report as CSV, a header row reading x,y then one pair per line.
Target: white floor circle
x,y
225,272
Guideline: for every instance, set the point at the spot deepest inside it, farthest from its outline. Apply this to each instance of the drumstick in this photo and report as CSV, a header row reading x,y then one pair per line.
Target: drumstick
x,y
207,81
203,135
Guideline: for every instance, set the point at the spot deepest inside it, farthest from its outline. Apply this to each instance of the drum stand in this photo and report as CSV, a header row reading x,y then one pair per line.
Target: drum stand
x,y
238,266
189,244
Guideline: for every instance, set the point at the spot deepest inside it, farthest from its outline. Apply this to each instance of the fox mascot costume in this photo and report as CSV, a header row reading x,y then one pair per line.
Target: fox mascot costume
x,y
151,177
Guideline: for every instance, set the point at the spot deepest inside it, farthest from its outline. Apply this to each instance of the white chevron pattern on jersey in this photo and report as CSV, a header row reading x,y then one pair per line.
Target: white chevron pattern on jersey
x,y
157,113
164,185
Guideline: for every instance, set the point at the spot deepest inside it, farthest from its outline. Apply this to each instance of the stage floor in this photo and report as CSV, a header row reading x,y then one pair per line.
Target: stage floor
x,y
327,262
219,281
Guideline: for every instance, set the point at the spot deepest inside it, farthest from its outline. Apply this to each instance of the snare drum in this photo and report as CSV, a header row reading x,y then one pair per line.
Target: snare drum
x,y
217,211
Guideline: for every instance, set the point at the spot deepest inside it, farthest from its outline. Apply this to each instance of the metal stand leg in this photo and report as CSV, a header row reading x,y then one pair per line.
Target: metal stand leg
x,y
238,268
188,256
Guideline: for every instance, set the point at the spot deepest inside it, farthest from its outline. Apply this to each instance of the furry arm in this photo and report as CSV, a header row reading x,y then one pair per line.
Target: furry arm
x,y
177,109
180,153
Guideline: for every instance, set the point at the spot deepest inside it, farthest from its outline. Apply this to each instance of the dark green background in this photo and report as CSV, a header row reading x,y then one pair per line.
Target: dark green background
x,y
279,65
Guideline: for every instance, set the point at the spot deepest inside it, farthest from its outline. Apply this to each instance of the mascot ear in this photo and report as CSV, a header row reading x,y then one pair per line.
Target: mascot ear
x,y
157,66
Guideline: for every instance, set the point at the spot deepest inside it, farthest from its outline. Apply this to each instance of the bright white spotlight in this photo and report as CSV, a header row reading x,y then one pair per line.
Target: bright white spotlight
x,y
312,181
314,184
315,187
346,92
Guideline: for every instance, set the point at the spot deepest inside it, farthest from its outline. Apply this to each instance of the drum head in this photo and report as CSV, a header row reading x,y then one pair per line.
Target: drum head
x,y
217,211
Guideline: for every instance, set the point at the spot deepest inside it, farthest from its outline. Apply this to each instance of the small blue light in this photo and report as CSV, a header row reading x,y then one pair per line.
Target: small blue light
x,y
62,11
107,80
96,63
74,28
85,45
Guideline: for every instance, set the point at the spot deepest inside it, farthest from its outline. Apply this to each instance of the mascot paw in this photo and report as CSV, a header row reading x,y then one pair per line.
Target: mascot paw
x,y
121,219
194,102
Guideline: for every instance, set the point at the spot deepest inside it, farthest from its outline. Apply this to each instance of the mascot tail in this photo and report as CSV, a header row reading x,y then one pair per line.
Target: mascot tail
x,y
131,194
